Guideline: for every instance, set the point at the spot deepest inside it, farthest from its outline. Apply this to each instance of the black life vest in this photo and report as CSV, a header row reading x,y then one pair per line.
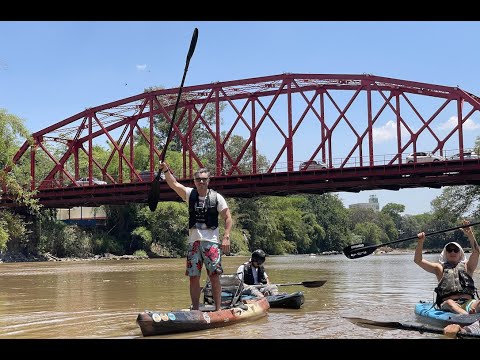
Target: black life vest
x,y
455,280
248,274
203,212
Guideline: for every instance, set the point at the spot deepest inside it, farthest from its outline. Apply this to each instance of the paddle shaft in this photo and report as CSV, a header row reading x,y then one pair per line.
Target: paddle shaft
x,y
154,193
360,248
403,326
426,234
316,283
193,44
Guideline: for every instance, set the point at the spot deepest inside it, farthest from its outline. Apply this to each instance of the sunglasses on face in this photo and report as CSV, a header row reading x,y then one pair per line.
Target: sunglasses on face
x,y
200,179
454,249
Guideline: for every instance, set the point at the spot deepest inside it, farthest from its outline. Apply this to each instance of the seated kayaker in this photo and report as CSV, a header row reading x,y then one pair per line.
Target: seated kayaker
x,y
253,274
456,289
452,330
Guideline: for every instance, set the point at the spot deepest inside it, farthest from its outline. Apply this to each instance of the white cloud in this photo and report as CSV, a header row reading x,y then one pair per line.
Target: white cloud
x,y
387,132
469,124
141,67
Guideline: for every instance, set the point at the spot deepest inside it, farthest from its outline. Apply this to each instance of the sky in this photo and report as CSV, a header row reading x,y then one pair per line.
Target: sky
x,y
50,70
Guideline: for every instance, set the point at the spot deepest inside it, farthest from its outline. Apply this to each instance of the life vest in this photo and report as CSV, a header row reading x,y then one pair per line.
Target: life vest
x,y
455,280
248,274
203,212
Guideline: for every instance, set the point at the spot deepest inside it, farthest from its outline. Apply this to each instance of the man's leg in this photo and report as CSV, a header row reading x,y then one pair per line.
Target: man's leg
x,y
452,306
270,290
194,267
253,290
212,259
195,291
216,290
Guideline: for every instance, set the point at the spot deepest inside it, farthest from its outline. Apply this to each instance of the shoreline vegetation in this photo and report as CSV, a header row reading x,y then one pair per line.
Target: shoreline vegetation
x,y
12,258
45,257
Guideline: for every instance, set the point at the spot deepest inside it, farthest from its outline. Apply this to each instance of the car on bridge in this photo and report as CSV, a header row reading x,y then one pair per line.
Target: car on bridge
x,y
145,175
422,157
312,165
85,182
466,155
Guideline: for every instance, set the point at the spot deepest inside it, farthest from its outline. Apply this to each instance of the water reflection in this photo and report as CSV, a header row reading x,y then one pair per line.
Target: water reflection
x,y
101,299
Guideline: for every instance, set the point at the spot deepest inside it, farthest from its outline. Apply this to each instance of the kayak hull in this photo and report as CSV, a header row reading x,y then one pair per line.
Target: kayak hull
x,y
426,312
162,322
287,301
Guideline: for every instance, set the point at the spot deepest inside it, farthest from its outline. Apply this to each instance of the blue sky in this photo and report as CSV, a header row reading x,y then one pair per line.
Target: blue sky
x,y
52,70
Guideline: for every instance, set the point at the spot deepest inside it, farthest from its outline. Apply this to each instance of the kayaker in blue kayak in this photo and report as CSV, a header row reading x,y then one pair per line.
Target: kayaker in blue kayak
x,y
204,241
456,289
452,330
253,273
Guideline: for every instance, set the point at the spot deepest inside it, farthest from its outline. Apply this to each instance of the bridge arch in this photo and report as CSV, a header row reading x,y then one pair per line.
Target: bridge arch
x,y
361,126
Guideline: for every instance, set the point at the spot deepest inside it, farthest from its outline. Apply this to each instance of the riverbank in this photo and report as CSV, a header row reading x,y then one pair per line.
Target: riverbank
x,y
12,258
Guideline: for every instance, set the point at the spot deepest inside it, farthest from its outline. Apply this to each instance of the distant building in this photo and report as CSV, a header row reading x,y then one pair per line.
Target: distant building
x,y
372,204
83,216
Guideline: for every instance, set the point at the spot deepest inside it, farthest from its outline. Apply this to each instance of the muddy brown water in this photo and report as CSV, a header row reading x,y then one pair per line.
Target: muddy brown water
x,y
101,299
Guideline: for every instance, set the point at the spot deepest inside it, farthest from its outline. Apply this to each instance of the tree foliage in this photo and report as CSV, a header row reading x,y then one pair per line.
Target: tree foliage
x,y
12,132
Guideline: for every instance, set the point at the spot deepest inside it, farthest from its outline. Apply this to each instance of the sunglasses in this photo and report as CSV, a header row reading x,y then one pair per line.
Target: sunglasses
x,y
454,249
199,179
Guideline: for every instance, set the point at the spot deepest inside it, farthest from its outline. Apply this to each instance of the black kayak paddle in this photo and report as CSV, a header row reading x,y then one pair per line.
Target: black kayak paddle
x,y
154,193
395,325
356,251
308,284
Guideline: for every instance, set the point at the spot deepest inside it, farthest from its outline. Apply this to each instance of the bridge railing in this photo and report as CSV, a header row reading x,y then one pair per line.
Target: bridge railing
x,y
280,167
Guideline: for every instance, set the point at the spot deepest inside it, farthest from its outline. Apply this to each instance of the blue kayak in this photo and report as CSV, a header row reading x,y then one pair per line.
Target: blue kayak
x,y
426,312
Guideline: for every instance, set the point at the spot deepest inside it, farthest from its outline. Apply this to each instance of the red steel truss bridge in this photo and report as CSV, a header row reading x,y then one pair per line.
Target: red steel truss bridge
x,y
362,127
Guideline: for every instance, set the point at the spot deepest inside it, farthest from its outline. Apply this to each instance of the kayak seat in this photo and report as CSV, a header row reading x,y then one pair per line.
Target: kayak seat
x,y
232,288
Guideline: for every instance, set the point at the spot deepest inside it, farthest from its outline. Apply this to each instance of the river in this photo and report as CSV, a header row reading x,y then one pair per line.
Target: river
x,y
101,299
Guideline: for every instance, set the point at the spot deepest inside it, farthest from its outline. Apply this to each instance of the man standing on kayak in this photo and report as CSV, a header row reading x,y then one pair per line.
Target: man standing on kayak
x,y
456,289
253,273
204,206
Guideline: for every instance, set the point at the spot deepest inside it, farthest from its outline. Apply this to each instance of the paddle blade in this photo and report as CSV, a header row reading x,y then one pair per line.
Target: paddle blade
x,y
392,325
193,43
154,194
359,250
314,284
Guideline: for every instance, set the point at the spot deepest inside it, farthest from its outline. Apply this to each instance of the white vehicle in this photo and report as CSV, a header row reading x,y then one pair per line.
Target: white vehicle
x,y
145,175
466,155
85,182
312,165
422,157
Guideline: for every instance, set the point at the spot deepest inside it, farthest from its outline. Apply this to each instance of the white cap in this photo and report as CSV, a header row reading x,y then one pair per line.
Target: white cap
x,y
443,255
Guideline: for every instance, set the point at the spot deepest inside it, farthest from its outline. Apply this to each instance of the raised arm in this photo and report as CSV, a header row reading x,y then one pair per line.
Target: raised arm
x,y
172,181
472,261
425,264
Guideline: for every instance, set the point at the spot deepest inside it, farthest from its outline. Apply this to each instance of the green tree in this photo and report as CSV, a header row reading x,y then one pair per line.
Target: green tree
x,y
370,232
395,212
13,228
457,201
12,129
332,217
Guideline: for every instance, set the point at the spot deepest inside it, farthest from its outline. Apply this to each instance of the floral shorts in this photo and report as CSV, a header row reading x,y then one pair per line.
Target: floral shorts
x,y
200,252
